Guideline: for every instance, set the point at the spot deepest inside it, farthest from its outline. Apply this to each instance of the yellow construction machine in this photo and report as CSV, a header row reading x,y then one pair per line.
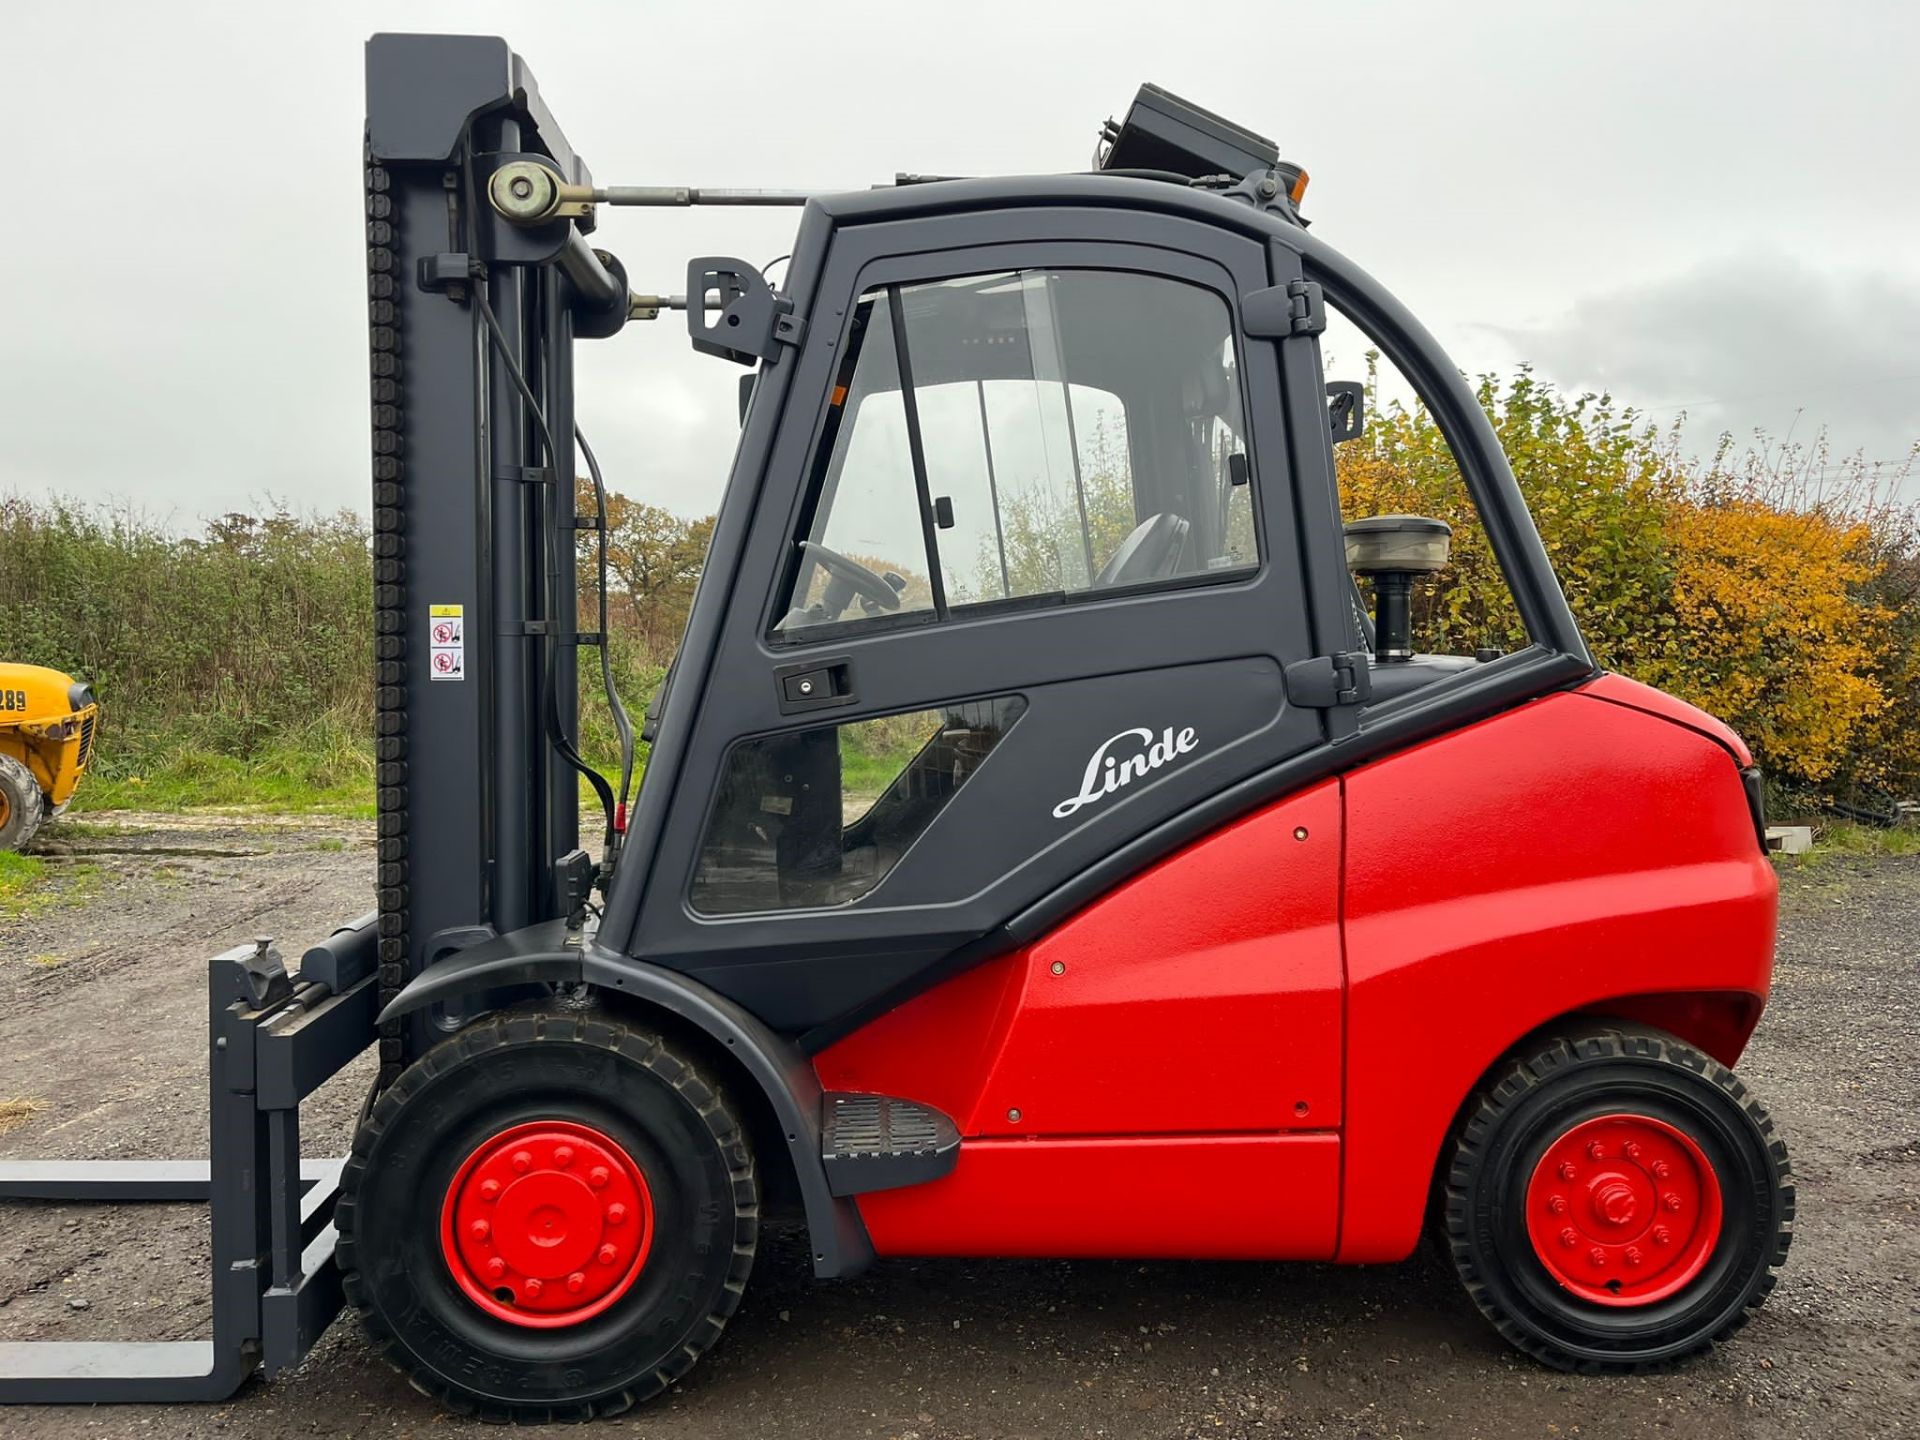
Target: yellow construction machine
x,y
48,721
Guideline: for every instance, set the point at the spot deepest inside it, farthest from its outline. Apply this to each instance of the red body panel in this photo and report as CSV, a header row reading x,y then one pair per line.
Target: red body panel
x,y
1622,691
1200,1197
1202,998
1544,861
938,1047
1172,1089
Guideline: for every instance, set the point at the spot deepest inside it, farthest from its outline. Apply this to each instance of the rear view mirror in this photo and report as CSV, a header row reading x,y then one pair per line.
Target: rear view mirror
x,y
1346,409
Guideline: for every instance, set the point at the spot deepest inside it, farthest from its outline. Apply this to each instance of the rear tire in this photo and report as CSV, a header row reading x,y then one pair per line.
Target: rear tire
x,y
22,806
1616,1201
588,1117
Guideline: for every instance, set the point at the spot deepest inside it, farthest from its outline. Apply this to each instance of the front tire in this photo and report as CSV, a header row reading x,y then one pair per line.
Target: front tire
x,y
548,1216
1616,1201
22,806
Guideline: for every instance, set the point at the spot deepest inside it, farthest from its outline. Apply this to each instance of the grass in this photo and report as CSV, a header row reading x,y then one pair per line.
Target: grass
x,y
319,771
72,829
29,885
1851,839
874,752
15,1113
1836,842
20,878
325,767
1842,839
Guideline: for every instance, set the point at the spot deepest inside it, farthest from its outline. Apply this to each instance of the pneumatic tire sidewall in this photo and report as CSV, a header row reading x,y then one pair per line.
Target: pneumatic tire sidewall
x,y
24,806
654,1103
1503,1140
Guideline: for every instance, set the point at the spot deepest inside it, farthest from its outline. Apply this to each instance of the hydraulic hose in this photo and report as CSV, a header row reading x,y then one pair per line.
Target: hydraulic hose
x,y
621,722
556,734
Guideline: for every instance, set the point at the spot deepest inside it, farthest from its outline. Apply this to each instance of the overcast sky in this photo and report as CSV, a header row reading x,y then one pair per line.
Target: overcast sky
x,y
1697,205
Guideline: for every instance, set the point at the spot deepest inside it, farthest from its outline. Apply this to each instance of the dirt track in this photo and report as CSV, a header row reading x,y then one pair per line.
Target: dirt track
x,y
102,1013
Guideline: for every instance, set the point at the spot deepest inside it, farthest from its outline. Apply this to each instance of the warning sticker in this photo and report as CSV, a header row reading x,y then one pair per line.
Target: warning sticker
x,y
447,625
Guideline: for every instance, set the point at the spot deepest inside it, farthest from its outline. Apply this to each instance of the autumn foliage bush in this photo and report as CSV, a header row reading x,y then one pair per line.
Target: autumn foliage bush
x,y
1777,588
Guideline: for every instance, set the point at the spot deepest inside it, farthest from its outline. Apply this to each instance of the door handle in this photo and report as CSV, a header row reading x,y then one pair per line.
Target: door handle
x,y
814,685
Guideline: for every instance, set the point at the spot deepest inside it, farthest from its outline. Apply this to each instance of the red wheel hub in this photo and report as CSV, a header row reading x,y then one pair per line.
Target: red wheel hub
x,y
547,1224
1623,1210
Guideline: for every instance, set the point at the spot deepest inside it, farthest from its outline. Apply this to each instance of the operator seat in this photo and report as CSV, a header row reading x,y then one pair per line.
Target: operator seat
x,y
1151,552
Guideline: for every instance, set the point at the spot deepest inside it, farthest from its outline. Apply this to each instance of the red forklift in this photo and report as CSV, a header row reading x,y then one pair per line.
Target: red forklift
x,y
1042,850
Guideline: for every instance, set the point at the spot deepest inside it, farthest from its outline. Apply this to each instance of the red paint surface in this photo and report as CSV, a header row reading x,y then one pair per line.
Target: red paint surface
x,y
546,1224
1576,854
1271,1197
1202,996
1623,1210
1549,860
936,1048
1201,1000
1717,1022
1619,690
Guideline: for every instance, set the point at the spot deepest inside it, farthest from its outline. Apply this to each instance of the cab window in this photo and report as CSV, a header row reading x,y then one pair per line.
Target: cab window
x,y
1024,437
818,817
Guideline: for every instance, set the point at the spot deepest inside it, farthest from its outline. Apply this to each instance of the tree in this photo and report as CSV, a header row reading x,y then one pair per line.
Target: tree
x,y
655,558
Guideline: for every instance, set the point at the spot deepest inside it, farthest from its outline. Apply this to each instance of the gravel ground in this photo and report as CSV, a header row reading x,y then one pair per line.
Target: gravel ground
x,y
101,1030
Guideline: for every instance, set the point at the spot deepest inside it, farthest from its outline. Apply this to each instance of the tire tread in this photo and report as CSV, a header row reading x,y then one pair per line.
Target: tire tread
x,y
641,1047
1521,1074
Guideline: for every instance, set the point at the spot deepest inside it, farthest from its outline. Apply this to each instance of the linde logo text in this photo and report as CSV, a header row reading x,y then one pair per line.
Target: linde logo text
x,y
1112,767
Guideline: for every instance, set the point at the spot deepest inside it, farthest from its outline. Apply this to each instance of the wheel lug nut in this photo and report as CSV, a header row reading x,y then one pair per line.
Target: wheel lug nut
x,y
616,1214
1596,1151
479,1229
496,1268
608,1254
1569,1237
598,1176
576,1282
522,1161
1567,1172
1597,1257
1557,1205
533,1289
1632,1150
1662,1235
1634,1255
563,1156
1670,1200
489,1189
1661,1170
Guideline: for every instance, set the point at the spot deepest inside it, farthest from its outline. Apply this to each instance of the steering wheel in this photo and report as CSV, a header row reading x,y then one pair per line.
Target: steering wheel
x,y
848,579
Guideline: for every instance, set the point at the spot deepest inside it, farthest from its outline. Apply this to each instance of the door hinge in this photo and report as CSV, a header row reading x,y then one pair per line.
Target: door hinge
x,y
1278,312
1307,306
1329,680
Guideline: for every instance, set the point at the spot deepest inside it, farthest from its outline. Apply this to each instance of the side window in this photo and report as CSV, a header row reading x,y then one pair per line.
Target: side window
x,y
874,518
818,817
1400,464
1078,431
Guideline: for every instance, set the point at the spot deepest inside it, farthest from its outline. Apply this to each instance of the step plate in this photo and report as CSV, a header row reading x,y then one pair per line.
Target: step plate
x,y
876,1142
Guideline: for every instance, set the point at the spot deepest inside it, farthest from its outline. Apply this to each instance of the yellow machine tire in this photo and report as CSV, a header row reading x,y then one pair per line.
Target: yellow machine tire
x,y
22,806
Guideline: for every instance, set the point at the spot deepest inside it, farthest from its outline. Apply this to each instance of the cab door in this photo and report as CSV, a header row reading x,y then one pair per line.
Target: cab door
x,y
1012,610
